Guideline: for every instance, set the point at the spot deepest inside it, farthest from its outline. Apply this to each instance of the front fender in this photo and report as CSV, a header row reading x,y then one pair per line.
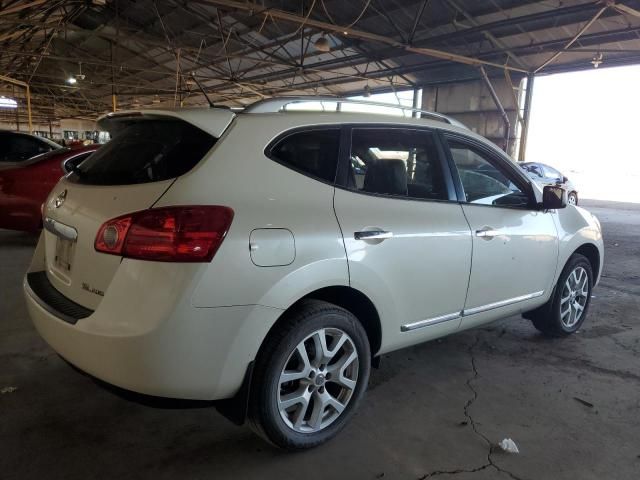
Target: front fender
x,y
577,227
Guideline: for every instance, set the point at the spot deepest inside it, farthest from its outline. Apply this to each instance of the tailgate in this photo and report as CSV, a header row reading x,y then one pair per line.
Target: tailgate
x,y
130,173
74,268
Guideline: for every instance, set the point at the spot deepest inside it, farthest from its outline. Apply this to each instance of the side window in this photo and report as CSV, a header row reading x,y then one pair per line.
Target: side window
x,y
551,173
396,162
482,181
314,152
5,148
22,148
534,169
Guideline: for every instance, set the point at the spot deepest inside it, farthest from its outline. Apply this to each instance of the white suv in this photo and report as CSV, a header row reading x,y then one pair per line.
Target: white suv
x,y
269,256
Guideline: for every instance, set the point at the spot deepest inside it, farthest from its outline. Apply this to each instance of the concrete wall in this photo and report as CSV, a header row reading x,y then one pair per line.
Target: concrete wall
x,y
471,103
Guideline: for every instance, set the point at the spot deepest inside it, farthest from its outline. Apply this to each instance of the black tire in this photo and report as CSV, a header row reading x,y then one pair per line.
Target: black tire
x,y
573,195
302,321
548,318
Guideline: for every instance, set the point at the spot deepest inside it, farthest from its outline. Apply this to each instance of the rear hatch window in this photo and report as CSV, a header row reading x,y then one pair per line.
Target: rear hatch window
x,y
146,151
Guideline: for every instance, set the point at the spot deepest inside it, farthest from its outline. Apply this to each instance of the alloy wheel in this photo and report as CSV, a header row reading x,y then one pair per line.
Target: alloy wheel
x,y
318,380
575,294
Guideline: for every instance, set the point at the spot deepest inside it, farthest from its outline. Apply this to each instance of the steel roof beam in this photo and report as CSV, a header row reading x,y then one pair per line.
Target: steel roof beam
x,y
256,9
554,14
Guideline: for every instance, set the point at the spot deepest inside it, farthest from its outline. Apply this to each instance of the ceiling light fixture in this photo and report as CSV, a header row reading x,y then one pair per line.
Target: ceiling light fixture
x,y
80,75
72,80
322,44
597,60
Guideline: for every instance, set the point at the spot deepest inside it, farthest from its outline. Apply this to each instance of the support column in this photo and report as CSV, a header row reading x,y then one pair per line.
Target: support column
x,y
525,117
503,113
29,109
415,102
13,93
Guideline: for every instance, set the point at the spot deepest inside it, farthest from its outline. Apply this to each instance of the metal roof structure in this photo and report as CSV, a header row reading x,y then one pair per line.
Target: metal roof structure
x,y
146,52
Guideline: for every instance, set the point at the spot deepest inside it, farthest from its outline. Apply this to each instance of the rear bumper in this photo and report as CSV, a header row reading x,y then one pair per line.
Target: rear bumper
x,y
175,351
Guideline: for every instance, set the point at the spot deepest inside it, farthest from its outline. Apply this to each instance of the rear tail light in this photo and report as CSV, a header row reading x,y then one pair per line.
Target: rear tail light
x,y
169,234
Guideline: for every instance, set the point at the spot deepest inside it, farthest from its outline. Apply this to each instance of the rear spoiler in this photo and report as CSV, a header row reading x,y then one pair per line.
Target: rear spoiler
x,y
211,120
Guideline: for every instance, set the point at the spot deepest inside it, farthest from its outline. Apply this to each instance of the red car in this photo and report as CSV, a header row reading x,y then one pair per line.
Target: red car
x,y
24,188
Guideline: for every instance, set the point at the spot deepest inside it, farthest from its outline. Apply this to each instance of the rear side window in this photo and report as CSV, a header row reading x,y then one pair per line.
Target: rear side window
x,y
146,151
397,162
313,152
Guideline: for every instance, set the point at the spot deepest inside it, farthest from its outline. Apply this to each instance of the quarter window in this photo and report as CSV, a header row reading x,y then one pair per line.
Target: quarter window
x,y
313,152
396,162
482,181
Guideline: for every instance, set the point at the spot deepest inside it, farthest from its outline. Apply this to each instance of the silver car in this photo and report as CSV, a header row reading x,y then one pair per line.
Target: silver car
x,y
545,175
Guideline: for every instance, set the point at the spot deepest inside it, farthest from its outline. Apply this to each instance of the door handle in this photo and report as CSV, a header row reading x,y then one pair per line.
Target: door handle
x,y
372,235
487,233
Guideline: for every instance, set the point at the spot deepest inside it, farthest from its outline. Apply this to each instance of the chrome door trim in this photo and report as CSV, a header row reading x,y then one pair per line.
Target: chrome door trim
x,y
430,321
501,303
60,229
470,311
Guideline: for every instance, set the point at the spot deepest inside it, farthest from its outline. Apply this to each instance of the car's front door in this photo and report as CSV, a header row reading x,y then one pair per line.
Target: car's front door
x,y
515,245
406,238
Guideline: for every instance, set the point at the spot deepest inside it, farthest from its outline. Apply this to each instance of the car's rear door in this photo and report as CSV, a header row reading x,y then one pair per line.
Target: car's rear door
x,y
515,245
407,241
128,174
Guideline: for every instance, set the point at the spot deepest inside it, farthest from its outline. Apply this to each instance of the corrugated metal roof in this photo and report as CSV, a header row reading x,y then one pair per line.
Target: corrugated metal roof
x,y
146,51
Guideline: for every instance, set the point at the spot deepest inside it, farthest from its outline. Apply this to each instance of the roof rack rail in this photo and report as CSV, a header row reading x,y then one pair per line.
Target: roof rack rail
x,y
279,104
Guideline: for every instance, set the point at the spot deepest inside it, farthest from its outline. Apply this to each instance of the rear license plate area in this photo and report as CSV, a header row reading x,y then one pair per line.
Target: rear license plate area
x,y
64,254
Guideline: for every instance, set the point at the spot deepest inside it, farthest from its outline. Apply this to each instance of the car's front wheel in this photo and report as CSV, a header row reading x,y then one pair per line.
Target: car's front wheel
x,y
567,308
572,198
309,376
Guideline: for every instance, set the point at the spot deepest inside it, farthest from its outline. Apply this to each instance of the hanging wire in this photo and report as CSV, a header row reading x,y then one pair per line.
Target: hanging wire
x,y
326,11
305,18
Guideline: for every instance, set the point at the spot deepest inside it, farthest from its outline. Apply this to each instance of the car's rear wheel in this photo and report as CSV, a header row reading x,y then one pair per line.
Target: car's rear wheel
x,y
310,375
572,199
566,310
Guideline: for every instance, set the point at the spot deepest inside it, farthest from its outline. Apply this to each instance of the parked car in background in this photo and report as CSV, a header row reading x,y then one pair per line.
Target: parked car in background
x,y
546,175
16,147
23,188
266,257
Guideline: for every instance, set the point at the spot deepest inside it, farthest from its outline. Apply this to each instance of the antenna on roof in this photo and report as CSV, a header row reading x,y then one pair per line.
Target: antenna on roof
x,y
202,90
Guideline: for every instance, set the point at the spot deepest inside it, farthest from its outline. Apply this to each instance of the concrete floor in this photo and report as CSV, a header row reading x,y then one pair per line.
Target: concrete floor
x,y
432,410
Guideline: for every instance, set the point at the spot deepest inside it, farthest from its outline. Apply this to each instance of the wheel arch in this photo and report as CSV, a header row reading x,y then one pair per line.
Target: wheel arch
x,y
592,253
350,299
235,409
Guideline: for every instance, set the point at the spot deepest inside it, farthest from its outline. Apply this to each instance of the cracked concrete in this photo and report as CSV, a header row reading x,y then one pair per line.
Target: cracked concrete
x,y
492,447
432,411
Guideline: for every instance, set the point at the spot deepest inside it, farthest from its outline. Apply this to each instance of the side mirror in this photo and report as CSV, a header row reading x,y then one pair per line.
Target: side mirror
x,y
553,197
564,179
